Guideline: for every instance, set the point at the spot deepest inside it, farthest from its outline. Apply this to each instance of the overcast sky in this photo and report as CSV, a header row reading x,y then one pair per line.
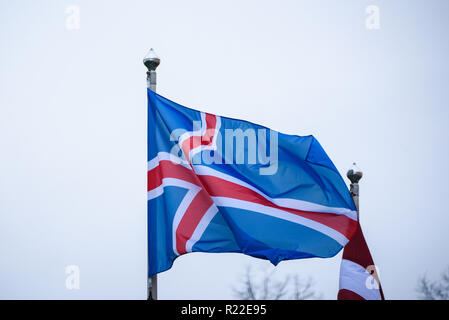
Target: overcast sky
x,y
73,131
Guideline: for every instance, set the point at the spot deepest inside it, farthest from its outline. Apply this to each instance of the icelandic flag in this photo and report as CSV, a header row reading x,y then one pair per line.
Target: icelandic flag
x,y
217,184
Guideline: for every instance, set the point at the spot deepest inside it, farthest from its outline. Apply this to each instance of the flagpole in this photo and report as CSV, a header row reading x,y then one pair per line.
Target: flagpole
x,y
151,61
355,174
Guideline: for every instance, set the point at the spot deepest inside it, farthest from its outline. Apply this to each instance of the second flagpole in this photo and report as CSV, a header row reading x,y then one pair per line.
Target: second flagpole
x,y
355,174
151,61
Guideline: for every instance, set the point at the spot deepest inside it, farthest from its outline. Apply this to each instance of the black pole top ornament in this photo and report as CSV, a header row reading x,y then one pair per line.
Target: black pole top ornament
x,y
354,174
151,60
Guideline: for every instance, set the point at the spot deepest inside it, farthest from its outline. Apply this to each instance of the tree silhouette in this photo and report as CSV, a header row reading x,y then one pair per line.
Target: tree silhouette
x,y
434,290
269,288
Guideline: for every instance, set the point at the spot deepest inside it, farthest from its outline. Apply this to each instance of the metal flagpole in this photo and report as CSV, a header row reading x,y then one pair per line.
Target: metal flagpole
x,y
151,61
355,174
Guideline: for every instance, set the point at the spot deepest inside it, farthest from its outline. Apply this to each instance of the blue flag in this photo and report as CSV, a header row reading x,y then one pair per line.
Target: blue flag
x,y
217,184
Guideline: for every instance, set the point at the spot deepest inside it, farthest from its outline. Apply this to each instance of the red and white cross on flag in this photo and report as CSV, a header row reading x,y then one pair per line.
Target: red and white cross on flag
x,y
197,208
359,277
205,138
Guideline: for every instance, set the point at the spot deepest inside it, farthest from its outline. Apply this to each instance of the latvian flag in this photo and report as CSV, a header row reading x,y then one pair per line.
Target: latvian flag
x,y
359,278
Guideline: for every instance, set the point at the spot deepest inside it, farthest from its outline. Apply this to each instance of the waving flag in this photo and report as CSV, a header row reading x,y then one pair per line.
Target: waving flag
x,y
359,279
217,184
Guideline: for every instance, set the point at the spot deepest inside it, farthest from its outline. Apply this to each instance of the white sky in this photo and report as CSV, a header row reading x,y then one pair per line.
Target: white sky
x,y
73,131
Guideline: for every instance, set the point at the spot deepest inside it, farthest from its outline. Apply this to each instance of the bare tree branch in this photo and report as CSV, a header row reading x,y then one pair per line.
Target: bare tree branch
x,y
437,290
280,289
269,288
303,289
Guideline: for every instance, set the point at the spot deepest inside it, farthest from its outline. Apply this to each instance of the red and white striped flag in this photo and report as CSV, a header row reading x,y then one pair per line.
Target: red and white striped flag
x,y
359,277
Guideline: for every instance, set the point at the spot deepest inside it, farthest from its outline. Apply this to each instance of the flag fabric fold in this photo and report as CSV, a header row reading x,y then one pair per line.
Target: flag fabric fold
x,y
217,184
359,277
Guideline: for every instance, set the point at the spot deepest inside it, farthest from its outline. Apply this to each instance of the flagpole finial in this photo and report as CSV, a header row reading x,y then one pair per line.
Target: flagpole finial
x,y
354,174
151,60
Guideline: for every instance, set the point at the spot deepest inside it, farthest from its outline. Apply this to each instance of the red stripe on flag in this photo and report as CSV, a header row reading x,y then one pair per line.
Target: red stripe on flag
x,y
168,169
192,217
344,294
218,187
211,123
205,140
